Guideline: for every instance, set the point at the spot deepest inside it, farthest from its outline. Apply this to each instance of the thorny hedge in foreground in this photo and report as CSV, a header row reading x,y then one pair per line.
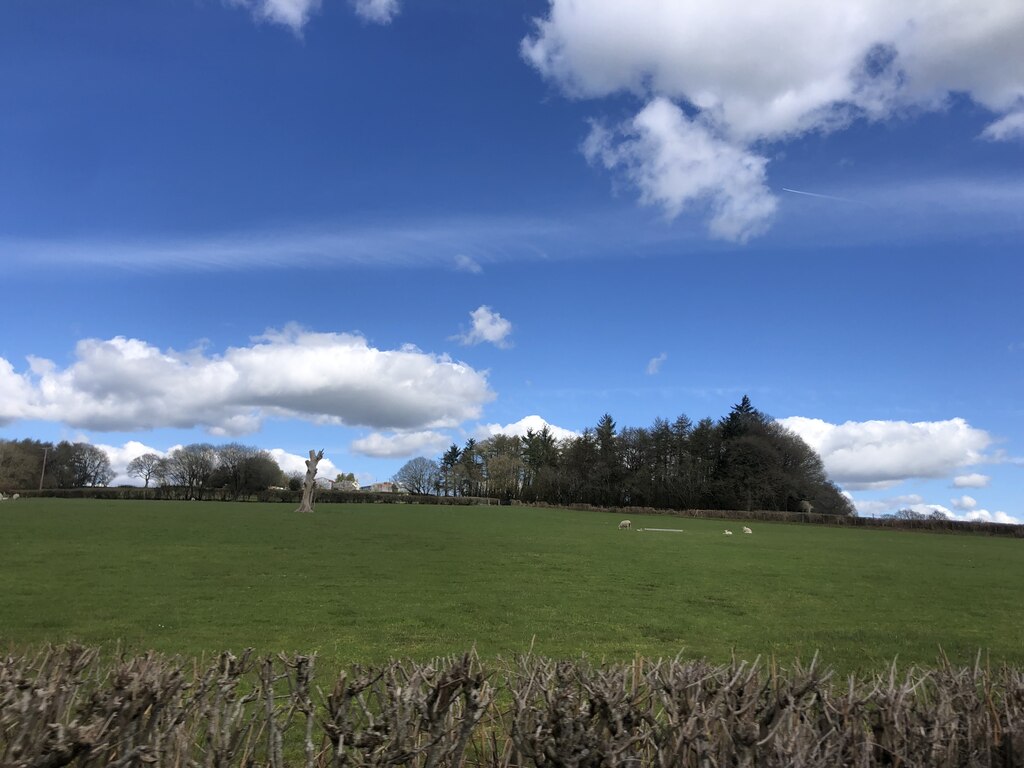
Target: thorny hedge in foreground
x,y
65,706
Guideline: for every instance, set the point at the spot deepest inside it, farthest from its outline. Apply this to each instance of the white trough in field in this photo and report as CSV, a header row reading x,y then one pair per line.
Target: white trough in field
x,y
663,530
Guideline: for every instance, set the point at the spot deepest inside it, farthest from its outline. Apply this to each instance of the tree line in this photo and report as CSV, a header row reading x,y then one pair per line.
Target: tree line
x,y
26,464
744,461
235,468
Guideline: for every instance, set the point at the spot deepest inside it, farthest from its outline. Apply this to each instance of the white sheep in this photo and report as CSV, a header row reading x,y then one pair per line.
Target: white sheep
x,y
727,532
746,530
625,524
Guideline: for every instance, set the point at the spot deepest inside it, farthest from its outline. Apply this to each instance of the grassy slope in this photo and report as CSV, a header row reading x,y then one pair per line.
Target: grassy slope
x,y
364,582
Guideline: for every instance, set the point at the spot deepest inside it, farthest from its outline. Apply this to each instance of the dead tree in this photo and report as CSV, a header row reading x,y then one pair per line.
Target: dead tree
x,y
309,488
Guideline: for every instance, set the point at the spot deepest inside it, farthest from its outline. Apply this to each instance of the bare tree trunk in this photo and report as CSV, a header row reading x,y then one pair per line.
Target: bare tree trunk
x,y
309,487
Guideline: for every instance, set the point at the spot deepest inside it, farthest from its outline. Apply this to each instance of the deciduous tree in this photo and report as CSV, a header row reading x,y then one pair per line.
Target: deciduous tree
x,y
420,475
144,467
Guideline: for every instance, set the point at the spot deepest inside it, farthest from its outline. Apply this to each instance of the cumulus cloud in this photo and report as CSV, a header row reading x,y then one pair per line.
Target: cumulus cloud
x,y
970,516
973,480
291,13
879,507
295,13
983,515
521,427
377,11
400,445
676,162
464,263
1010,127
655,363
127,384
293,463
877,454
964,502
931,509
488,326
1006,128
915,503
121,455
796,66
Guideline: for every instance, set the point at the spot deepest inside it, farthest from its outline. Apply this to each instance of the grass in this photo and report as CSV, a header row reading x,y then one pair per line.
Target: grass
x,y
361,583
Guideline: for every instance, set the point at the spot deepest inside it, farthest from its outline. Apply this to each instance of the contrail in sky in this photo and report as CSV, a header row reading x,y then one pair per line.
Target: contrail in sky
x,y
815,194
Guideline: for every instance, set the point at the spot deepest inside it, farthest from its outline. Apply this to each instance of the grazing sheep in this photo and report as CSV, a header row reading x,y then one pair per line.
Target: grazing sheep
x,y
746,530
727,532
625,524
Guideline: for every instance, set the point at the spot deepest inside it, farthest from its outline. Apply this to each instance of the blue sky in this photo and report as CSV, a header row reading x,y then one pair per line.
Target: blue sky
x,y
380,227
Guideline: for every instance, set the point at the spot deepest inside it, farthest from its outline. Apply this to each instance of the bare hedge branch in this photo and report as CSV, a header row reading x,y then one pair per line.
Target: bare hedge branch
x,y
67,707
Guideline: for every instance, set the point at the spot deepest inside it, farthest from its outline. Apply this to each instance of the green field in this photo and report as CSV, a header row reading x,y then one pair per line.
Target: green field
x,y
366,582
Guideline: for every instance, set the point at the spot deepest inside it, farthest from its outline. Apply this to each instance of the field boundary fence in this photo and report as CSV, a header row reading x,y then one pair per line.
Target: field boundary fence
x,y
67,706
172,493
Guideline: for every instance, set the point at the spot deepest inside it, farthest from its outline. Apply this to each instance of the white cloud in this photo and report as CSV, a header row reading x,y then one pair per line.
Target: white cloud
x,y
970,516
878,507
521,427
293,463
464,263
876,454
401,444
128,384
964,502
1006,128
488,326
655,363
930,509
973,480
792,66
291,13
121,456
677,162
295,13
413,243
870,507
15,393
377,11
915,503
983,515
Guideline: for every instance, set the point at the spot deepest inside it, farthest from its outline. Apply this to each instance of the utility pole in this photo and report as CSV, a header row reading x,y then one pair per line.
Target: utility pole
x,y
43,473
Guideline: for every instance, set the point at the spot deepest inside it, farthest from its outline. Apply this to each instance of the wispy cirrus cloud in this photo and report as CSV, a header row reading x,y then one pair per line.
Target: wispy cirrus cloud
x,y
410,244
940,208
655,363
464,263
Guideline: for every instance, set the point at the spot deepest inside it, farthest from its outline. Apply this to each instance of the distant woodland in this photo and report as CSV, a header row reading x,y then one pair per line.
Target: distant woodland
x,y
744,461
